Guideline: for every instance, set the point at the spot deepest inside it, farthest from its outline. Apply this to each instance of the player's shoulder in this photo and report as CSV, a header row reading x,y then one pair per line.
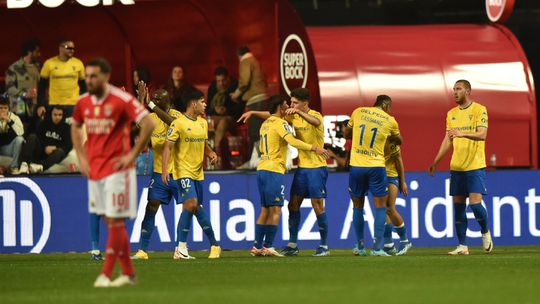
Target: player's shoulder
x,y
120,94
84,98
77,61
314,113
202,121
51,60
479,107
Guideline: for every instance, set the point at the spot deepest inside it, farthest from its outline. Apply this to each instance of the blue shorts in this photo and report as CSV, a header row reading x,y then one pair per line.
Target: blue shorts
x,y
271,188
189,188
362,179
393,180
463,183
310,182
158,191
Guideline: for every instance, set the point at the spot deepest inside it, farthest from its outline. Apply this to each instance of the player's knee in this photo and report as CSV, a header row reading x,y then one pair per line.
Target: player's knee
x,y
153,206
191,206
318,207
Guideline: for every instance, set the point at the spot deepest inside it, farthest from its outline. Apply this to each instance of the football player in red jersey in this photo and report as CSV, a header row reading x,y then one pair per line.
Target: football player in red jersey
x,y
107,159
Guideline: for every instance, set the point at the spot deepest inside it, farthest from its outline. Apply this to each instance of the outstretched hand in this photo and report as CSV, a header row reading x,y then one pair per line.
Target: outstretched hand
x,y
244,118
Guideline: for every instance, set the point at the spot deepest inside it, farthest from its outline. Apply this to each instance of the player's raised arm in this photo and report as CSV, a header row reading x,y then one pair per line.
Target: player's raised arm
x,y
247,115
311,119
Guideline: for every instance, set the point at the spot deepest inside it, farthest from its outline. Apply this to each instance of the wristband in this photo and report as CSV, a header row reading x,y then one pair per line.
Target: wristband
x,y
151,105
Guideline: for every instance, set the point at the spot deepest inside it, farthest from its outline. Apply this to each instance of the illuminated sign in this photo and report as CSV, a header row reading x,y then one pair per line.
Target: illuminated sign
x,y
499,10
57,3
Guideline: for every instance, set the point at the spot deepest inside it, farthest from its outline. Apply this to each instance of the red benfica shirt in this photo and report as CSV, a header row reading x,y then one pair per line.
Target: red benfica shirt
x,y
108,124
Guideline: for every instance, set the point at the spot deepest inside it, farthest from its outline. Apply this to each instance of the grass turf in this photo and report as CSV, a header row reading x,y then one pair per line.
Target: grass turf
x,y
425,275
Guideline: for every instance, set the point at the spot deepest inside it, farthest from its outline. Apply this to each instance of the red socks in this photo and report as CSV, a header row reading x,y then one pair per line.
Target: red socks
x,y
117,248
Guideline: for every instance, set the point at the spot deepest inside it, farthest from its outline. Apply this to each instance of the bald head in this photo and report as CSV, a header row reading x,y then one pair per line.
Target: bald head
x,y
161,99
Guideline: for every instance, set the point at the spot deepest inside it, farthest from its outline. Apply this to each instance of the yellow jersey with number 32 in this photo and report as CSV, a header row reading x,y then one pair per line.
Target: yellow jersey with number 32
x,y
189,137
273,144
371,128
468,154
310,134
158,138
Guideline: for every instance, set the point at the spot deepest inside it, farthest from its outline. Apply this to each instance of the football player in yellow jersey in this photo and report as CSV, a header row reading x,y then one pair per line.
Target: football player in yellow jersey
x,y
188,139
466,131
371,127
158,192
63,76
275,135
310,178
395,173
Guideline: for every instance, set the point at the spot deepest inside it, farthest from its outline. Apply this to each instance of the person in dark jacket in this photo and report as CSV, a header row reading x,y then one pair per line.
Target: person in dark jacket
x,y
11,135
49,145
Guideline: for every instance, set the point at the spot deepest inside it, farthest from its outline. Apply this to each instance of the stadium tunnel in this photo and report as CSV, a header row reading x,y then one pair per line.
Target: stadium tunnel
x,y
415,65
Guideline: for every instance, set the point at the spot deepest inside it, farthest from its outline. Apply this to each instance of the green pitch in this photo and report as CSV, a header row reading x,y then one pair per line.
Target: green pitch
x,y
509,275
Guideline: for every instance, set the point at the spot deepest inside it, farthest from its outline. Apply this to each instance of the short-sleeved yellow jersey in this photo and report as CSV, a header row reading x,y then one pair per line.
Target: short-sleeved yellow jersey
x,y
189,136
64,79
468,154
310,134
273,144
390,152
371,127
158,138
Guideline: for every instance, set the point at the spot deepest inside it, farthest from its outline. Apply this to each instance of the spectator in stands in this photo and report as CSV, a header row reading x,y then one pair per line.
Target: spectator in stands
x,y
221,108
252,90
63,76
179,88
11,135
49,145
22,78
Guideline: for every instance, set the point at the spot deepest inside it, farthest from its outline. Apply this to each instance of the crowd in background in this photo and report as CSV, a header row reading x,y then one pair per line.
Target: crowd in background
x,y
38,101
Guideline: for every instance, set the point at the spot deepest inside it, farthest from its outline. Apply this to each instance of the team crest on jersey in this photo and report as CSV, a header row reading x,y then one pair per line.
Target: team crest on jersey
x,y
97,110
107,110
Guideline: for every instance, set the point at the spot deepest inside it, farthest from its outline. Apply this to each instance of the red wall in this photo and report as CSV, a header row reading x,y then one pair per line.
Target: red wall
x,y
417,66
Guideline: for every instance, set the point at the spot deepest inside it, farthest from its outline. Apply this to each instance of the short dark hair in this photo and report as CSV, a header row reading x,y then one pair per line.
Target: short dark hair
x,y
242,50
102,64
63,40
192,96
29,46
4,100
274,103
57,107
221,71
466,83
382,100
301,94
144,74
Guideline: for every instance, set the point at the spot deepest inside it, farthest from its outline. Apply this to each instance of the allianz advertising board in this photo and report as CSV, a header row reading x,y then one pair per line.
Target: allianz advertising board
x,y
50,214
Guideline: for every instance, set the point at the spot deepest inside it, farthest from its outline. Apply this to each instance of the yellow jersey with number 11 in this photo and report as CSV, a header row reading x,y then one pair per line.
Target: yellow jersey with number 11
x,y
371,127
